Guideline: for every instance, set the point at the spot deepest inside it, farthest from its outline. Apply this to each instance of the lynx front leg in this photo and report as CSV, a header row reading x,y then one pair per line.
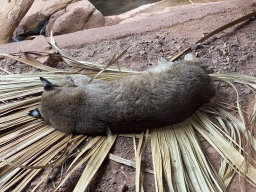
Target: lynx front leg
x,y
164,62
83,80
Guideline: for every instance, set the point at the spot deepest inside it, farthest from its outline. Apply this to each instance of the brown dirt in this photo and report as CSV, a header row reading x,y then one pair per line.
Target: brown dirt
x,y
231,52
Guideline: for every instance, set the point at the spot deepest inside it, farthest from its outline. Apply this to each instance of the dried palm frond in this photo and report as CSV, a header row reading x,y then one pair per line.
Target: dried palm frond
x,y
178,146
89,65
27,145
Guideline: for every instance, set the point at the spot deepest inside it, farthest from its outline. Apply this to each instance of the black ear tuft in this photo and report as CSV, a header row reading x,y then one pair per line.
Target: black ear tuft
x,y
47,84
35,113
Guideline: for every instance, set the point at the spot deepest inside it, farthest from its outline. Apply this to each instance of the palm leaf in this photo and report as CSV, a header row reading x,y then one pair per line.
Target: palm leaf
x,y
27,145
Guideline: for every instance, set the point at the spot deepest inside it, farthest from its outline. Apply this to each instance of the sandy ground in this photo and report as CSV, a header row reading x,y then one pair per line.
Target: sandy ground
x,y
230,52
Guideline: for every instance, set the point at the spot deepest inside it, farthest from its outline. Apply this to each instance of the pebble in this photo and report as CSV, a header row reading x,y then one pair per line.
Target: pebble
x,y
233,69
178,47
210,150
248,56
225,52
128,56
216,83
161,42
233,54
112,181
247,91
193,46
223,84
142,52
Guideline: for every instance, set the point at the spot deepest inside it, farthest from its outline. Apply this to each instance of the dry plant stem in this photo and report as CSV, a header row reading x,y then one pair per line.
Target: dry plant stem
x,y
112,61
128,162
31,63
244,18
39,166
5,71
208,35
11,16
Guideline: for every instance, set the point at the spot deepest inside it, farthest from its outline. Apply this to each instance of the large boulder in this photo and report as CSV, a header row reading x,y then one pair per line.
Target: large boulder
x,y
64,16
38,15
39,50
77,16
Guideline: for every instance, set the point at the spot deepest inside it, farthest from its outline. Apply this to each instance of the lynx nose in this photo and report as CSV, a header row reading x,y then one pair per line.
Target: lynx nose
x,y
35,113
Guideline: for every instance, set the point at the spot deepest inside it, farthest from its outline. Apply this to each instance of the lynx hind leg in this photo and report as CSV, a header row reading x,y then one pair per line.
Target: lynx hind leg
x,y
191,57
163,63
83,80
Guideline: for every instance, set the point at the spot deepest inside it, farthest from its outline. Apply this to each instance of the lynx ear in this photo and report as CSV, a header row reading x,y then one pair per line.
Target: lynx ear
x,y
35,113
47,84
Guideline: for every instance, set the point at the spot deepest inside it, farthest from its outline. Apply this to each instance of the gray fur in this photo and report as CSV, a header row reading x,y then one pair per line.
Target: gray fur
x,y
156,98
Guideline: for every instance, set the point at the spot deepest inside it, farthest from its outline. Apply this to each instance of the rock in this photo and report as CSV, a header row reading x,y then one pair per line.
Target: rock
x,y
52,20
78,16
195,46
143,11
127,57
63,16
73,19
112,181
45,53
223,84
95,20
247,91
142,52
30,26
233,69
37,16
210,150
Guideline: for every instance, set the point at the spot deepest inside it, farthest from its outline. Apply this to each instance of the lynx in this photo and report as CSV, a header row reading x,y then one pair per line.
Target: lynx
x,y
159,97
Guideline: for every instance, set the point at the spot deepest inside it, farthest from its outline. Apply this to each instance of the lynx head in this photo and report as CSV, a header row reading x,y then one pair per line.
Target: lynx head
x,y
59,102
